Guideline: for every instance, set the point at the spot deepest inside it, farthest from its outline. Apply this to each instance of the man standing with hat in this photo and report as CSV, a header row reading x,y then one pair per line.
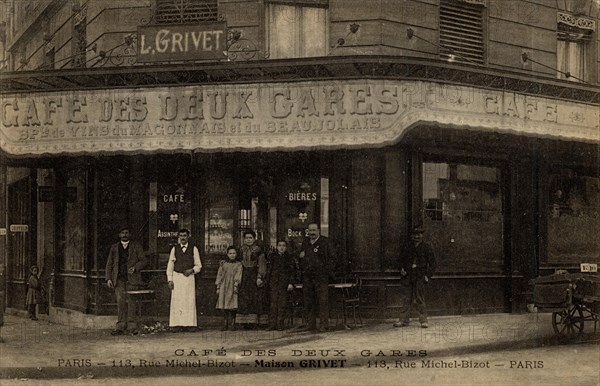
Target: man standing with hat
x,y
317,261
418,265
123,273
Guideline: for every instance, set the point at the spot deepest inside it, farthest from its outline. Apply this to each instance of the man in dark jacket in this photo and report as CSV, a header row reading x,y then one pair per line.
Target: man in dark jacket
x,y
419,266
317,262
123,273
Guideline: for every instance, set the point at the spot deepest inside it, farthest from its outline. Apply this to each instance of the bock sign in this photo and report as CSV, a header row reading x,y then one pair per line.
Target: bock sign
x,y
181,42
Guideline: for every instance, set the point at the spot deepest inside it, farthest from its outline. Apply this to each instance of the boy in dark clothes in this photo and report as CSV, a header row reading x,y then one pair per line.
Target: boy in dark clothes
x,y
280,276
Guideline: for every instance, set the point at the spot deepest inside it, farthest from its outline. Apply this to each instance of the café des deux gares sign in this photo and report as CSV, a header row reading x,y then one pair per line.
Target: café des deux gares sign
x,y
328,114
181,42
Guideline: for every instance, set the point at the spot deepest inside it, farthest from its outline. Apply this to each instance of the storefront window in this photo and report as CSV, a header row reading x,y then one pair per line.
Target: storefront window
x,y
463,216
219,218
18,212
74,221
573,217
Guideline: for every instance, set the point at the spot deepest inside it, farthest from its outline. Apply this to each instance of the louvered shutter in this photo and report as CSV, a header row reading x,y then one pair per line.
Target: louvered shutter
x,y
186,11
461,32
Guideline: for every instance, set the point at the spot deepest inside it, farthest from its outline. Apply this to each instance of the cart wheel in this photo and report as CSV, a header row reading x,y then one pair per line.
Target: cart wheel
x,y
568,322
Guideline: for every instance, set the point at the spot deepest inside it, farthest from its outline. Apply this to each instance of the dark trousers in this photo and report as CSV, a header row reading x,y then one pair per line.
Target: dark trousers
x,y
315,290
31,310
279,302
126,311
415,301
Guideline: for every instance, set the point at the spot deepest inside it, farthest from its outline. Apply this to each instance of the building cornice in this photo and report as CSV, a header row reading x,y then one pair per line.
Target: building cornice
x,y
296,70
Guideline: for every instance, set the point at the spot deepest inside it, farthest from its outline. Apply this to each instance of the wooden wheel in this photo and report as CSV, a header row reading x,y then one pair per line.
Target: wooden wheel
x,y
569,322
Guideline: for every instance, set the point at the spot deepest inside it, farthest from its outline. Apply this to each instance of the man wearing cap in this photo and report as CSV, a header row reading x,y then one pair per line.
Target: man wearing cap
x,y
418,265
123,273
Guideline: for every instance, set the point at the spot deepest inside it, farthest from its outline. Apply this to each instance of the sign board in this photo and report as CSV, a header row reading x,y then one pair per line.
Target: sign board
x,y
277,116
2,231
166,43
588,267
19,228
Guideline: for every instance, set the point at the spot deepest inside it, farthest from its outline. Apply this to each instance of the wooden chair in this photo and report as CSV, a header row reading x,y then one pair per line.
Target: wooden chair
x,y
351,300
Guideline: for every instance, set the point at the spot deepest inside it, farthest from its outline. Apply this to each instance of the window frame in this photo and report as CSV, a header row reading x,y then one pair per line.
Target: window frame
x,y
299,48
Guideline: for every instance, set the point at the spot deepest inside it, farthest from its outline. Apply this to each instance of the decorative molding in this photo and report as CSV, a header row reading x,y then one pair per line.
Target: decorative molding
x,y
576,21
266,71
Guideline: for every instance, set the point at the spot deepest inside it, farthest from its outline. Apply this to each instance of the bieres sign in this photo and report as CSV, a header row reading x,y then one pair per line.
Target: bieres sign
x,y
181,42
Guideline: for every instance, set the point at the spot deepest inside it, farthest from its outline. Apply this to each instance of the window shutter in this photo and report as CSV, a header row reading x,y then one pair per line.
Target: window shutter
x,y
186,11
461,32
301,3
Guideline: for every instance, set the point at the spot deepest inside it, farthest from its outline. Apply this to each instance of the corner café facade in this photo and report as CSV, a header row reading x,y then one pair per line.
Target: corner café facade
x,y
383,145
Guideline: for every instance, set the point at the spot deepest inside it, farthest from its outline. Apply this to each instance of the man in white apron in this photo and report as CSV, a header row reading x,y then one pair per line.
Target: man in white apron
x,y
184,263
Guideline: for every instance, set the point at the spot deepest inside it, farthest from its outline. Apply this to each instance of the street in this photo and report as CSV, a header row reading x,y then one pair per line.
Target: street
x,y
499,349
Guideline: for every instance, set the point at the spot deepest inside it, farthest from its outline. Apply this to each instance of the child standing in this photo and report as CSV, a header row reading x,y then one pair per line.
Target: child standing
x,y
228,280
34,293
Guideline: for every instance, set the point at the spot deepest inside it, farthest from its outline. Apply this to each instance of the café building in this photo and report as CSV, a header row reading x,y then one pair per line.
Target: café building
x,y
501,170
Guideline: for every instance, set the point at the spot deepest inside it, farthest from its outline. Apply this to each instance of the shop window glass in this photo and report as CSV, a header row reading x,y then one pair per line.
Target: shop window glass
x,y
296,30
74,221
18,216
463,216
219,220
573,218
113,206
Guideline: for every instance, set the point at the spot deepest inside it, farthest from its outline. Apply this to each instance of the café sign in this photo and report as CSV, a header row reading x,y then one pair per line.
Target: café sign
x,y
181,42
275,116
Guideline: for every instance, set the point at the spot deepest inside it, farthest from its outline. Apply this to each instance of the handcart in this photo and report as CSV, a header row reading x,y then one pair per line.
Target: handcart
x,y
573,299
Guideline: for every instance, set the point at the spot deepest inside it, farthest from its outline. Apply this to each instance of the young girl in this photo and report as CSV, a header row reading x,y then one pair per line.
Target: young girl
x,y
34,293
228,280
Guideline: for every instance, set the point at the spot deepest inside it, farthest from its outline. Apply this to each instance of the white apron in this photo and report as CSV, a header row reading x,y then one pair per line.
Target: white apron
x,y
183,301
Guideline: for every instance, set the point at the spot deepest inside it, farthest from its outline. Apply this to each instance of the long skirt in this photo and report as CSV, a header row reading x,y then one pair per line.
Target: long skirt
x,y
248,297
183,301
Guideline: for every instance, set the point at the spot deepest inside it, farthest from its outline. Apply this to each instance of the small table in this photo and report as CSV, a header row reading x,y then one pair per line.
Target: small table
x,y
344,287
139,297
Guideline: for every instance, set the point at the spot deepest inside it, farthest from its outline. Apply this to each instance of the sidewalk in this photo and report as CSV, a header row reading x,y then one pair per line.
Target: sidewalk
x,y
43,350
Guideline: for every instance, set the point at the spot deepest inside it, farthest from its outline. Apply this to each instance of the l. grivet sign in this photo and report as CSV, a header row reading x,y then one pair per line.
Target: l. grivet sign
x,y
272,116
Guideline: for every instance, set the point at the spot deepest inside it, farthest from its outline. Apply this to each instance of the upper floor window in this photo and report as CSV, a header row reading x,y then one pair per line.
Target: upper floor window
x,y
461,31
186,11
573,36
297,28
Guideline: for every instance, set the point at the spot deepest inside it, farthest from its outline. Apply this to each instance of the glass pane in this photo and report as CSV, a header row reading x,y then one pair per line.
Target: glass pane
x,y
283,31
314,31
74,225
573,218
463,216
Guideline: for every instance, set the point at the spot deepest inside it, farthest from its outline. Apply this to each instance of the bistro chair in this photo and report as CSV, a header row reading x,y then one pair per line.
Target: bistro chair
x,y
351,300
